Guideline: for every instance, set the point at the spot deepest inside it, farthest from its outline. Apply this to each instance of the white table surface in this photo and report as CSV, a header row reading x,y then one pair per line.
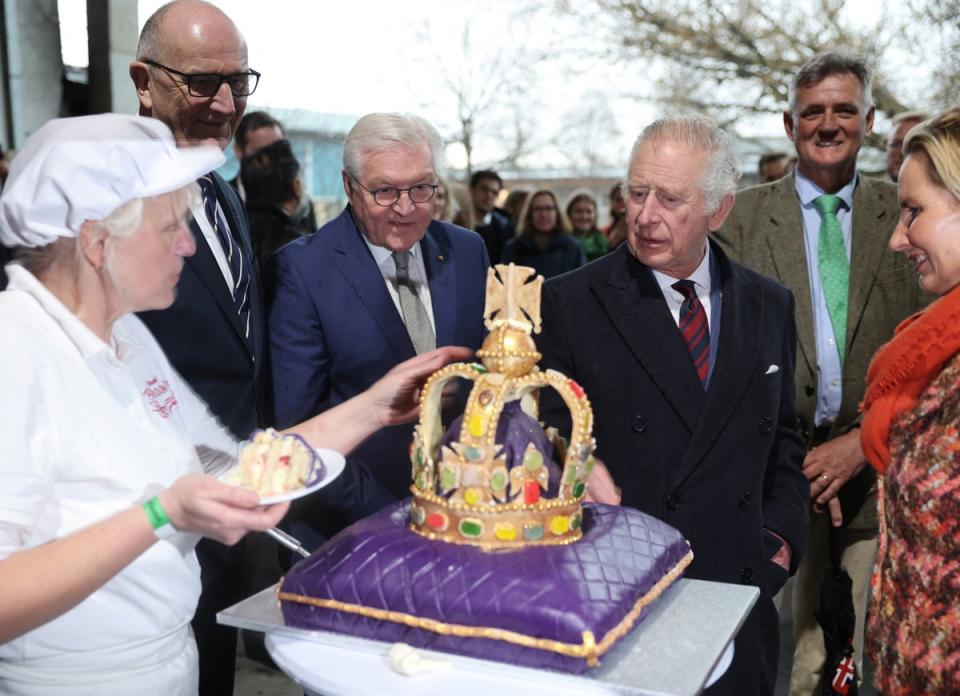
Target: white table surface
x,y
685,637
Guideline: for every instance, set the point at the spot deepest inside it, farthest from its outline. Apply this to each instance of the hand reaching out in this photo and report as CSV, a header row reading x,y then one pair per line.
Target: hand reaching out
x,y
600,486
396,396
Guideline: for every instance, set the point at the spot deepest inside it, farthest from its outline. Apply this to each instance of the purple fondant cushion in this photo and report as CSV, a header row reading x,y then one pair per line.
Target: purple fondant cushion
x,y
377,579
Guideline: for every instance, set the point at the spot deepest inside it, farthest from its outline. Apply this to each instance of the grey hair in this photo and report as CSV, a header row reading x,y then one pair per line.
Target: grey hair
x,y
125,220
379,132
151,44
824,65
720,175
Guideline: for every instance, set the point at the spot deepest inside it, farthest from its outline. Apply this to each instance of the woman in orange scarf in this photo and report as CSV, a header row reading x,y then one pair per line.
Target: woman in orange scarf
x,y
911,434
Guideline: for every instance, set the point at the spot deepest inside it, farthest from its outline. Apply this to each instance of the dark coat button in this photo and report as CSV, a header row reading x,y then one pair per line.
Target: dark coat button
x,y
672,501
744,501
809,390
766,425
746,574
638,424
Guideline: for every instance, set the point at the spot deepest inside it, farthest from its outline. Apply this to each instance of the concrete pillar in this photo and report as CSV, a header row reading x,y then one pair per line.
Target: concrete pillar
x,y
34,68
112,30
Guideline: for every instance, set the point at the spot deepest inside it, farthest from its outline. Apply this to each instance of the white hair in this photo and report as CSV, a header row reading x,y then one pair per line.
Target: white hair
x,y
125,220
720,175
380,132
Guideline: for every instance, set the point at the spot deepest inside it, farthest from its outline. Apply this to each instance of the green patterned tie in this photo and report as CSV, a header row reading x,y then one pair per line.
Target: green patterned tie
x,y
834,267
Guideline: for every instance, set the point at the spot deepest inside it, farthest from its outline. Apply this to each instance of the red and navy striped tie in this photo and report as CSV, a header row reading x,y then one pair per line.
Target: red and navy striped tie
x,y
694,327
238,268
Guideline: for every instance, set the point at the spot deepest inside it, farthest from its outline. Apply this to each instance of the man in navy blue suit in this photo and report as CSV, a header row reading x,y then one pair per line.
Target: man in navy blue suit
x,y
688,361
377,285
191,72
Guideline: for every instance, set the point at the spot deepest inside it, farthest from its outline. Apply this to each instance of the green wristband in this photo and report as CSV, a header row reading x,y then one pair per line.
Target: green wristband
x,y
158,518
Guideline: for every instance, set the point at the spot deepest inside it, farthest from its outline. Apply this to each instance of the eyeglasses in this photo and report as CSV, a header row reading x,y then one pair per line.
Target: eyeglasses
x,y
207,85
389,195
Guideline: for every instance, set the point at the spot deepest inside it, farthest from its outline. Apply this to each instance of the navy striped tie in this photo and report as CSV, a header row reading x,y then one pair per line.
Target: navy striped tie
x,y
694,327
238,269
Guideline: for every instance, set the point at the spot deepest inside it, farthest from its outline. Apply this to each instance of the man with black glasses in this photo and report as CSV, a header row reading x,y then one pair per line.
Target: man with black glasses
x,y
377,285
191,72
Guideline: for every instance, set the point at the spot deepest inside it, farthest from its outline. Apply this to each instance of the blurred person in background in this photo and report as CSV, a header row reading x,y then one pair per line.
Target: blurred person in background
x,y
582,213
616,231
271,178
513,206
544,241
443,203
910,434
772,166
492,223
255,131
901,123
463,204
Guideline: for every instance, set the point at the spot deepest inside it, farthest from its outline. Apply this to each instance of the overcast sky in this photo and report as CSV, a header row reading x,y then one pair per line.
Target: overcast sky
x,y
370,55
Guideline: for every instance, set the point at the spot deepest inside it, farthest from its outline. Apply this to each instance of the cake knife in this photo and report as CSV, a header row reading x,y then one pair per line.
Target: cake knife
x,y
284,539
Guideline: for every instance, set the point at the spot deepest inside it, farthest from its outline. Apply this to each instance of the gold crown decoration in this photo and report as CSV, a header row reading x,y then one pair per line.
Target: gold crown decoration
x,y
466,492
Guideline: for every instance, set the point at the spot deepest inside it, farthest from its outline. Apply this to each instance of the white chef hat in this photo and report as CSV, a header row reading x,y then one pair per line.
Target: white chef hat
x,y
77,169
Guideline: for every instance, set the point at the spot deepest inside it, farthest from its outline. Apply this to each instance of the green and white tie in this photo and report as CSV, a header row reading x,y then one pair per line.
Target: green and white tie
x,y
834,267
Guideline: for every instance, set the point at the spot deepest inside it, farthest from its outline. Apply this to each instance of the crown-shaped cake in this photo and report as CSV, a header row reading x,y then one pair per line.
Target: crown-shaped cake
x,y
496,495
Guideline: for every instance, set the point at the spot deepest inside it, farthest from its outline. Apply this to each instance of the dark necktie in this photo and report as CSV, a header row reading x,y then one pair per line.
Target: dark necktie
x,y
238,269
414,313
694,327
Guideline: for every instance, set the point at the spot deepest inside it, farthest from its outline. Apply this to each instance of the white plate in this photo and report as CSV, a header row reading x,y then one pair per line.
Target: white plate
x,y
333,463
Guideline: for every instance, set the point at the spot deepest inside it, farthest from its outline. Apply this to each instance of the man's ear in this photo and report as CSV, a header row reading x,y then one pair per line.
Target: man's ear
x,y
297,188
718,218
346,183
140,74
93,241
788,124
870,114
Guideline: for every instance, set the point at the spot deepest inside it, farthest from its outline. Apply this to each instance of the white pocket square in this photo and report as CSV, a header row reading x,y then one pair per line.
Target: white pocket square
x,y
772,370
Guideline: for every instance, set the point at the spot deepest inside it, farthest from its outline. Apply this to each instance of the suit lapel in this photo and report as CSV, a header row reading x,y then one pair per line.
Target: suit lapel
x,y
737,352
866,252
204,264
644,322
435,248
786,243
358,268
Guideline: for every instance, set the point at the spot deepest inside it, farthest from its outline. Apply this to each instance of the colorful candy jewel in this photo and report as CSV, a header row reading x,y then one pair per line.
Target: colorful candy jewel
x,y
532,459
575,388
437,521
559,525
471,527
477,427
532,532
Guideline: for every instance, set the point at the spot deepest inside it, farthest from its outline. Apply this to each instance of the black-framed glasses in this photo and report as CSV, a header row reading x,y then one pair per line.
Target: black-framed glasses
x,y
242,84
385,196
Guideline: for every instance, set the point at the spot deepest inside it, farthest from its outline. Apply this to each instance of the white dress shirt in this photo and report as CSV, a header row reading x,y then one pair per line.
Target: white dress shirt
x,y
383,257
829,371
701,283
210,235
